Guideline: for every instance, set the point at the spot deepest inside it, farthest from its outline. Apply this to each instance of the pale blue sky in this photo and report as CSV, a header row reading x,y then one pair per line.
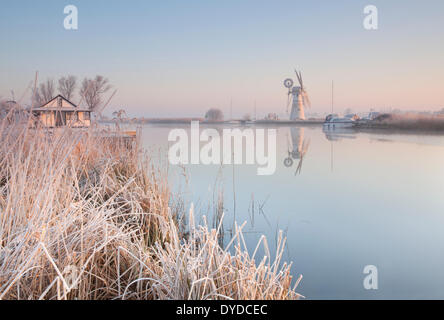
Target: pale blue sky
x,y
183,57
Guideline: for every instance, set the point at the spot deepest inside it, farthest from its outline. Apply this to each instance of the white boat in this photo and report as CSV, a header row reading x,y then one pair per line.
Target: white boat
x,y
333,121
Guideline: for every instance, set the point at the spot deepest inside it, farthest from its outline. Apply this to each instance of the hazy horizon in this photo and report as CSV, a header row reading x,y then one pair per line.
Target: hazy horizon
x,y
180,58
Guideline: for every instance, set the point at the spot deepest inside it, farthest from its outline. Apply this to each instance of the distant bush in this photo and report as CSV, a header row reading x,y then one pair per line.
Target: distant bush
x,y
214,115
383,117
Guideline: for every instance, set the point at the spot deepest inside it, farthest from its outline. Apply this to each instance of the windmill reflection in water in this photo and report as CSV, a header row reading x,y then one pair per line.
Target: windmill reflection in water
x,y
297,149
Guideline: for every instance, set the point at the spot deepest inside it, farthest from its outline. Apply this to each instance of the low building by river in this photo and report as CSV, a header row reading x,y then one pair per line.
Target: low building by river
x,y
61,112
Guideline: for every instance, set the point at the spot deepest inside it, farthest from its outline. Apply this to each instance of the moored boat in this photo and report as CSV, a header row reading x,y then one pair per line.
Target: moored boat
x,y
333,121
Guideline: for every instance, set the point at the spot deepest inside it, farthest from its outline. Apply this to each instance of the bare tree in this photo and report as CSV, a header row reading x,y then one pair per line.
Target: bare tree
x,y
92,91
7,106
214,115
37,100
3,105
67,86
45,92
120,114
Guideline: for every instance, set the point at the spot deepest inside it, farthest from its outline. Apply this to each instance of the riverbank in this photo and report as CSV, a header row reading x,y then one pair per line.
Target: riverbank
x,y
407,122
217,123
84,217
394,122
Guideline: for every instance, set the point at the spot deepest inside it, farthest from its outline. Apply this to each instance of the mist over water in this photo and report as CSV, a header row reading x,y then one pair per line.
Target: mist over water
x,y
343,199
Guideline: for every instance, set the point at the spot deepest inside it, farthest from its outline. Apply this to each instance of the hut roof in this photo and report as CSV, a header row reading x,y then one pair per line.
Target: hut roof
x,y
59,103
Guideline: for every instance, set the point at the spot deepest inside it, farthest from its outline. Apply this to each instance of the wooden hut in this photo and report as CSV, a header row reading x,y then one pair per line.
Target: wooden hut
x,y
60,112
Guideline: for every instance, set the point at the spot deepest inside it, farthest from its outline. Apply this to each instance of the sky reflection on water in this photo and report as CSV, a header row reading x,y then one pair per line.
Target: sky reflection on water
x,y
344,200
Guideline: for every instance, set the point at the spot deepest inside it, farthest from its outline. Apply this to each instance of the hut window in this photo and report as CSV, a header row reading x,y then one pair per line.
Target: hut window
x,y
69,116
73,116
86,116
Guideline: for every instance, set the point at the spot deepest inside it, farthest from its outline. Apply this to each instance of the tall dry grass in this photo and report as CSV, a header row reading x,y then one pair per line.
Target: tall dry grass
x,y
83,216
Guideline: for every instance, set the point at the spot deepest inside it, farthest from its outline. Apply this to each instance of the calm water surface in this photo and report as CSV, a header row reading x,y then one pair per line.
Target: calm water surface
x,y
344,200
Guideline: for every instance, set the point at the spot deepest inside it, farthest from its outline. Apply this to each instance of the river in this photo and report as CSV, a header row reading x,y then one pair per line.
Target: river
x,y
344,200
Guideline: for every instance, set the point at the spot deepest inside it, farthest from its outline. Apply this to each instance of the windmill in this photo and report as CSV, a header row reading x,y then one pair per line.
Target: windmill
x,y
299,96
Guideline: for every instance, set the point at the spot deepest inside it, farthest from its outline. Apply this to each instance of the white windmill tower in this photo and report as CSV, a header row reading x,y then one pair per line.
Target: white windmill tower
x,y
299,96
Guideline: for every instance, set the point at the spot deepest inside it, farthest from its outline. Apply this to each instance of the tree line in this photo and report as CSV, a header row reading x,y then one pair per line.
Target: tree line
x,y
90,91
